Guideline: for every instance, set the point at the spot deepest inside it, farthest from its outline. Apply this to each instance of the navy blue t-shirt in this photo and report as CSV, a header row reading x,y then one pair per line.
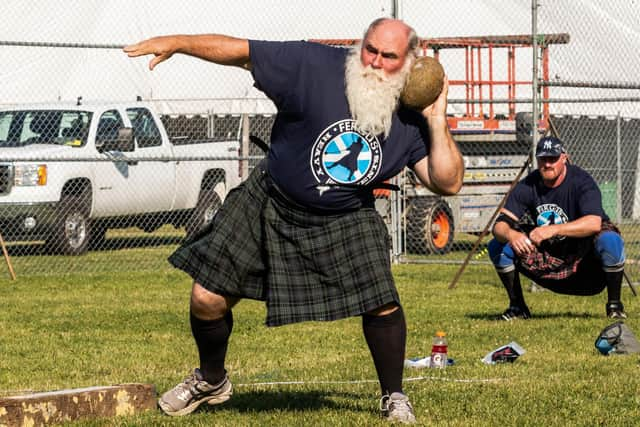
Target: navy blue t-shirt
x,y
578,195
313,140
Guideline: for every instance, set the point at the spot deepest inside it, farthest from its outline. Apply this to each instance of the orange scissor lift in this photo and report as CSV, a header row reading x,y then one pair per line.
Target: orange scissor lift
x,y
480,84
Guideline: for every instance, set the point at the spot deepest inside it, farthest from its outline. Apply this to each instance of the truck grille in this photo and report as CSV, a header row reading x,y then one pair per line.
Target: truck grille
x,y
6,178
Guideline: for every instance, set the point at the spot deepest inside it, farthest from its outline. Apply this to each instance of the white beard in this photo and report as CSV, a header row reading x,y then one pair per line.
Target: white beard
x,y
372,96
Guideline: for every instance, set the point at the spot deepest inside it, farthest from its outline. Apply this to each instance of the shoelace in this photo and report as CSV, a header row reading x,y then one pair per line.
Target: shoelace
x,y
384,403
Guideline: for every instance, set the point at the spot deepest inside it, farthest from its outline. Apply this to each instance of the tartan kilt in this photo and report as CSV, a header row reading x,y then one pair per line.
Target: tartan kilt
x,y
304,266
588,278
579,273
540,264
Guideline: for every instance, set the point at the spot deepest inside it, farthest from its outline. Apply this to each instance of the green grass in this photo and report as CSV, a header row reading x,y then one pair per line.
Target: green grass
x,y
124,325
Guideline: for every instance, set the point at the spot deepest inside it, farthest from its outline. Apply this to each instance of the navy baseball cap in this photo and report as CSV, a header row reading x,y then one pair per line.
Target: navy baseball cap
x,y
549,146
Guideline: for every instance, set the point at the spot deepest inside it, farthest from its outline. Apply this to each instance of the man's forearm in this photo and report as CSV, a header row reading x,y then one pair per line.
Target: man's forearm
x,y
446,166
582,227
501,231
221,49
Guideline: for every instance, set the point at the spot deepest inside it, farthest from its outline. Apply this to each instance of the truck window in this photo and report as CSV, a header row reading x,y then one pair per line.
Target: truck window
x,y
74,127
42,127
5,128
145,128
109,125
24,127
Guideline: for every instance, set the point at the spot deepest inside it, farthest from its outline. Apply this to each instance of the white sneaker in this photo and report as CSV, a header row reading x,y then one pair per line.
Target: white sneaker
x,y
397,407
185,398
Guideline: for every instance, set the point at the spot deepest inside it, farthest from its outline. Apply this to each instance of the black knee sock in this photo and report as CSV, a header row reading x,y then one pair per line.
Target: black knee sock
x,y
613,280
386,337
212,337
511,283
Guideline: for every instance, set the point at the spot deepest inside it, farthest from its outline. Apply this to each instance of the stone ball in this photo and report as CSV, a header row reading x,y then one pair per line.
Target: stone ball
x,y
423,84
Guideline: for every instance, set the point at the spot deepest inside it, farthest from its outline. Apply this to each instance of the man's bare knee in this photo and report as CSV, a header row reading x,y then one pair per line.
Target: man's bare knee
x,y
384,310
207,305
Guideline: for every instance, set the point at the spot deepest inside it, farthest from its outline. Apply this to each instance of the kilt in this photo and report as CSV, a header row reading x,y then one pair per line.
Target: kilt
x,y
580,273
588,278
305,266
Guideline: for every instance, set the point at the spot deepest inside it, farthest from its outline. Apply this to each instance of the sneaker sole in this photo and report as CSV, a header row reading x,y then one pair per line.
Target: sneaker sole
x,y
211,400
222,397
403,419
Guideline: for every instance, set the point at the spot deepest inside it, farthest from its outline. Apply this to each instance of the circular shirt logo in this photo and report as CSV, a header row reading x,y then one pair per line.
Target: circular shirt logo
x,y
343,155
549,214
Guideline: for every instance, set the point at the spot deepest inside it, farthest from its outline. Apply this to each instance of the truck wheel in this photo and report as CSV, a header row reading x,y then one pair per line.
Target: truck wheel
x,y
208,204
430,226
72,232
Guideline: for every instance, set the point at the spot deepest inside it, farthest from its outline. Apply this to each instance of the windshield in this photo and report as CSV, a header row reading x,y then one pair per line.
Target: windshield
x,y
24,127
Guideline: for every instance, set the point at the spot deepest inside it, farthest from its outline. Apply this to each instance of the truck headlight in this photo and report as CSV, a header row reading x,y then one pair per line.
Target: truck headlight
x,y
30,175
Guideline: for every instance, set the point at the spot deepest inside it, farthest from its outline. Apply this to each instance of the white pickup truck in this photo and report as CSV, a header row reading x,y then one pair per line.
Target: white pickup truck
x,y
70,172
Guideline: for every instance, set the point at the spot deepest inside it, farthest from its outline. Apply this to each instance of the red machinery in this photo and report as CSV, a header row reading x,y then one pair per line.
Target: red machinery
x,y
480,83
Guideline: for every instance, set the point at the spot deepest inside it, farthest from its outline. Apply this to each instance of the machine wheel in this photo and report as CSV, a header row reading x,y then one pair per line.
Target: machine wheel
x,y
208,204
430,226
72,230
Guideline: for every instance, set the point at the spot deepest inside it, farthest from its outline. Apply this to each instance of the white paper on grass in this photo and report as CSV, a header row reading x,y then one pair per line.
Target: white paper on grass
x,y
514,346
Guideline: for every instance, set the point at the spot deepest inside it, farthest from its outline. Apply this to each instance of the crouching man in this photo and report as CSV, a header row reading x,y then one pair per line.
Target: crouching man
x,y
553,229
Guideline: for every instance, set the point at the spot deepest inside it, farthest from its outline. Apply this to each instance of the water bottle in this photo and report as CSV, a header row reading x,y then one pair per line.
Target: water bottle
x,y
439,350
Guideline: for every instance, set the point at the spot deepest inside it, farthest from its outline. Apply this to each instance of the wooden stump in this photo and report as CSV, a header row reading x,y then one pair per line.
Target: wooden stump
x,y
56,407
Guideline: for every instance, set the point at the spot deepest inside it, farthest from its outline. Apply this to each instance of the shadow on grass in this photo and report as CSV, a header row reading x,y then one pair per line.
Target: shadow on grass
x,y
270,400
111,244
558,315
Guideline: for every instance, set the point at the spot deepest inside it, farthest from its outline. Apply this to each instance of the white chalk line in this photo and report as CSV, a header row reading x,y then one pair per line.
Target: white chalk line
x,y
12,393
300,382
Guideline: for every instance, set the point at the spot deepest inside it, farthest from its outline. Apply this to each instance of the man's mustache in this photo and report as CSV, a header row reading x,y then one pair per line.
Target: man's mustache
x,y
370,71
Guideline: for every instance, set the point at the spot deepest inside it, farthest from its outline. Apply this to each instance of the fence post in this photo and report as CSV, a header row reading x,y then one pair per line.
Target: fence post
x,y
211,124
534,78
618,171
395,200
244,148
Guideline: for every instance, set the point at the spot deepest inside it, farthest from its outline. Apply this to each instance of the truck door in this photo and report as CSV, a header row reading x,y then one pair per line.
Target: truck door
x,y
154,179
112,191
126,185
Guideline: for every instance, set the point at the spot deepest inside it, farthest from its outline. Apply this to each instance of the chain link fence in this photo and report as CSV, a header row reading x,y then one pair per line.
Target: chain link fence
x,y
68,95
586,93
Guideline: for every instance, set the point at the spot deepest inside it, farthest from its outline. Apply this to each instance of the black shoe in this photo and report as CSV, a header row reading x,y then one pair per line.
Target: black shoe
x,y
515,312
615,310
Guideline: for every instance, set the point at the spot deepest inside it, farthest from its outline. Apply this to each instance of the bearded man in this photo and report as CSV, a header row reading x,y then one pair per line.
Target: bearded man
x,y
302,233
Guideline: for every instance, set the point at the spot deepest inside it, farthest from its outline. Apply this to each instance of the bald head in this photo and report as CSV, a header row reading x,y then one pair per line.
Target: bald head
x,y
396,27
388,44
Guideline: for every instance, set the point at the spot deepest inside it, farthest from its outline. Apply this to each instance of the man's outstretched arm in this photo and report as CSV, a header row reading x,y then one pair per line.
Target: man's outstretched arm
x,y
217,48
